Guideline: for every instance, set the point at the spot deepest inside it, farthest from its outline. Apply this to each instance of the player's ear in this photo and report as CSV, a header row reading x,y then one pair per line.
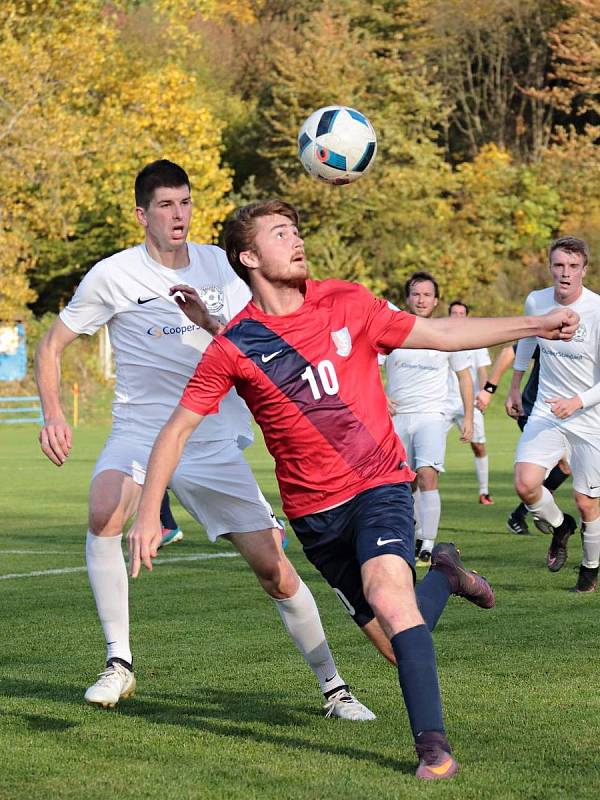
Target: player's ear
x,y
140,215
249,259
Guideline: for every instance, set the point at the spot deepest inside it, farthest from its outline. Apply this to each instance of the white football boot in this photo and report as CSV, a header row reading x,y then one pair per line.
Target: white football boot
x,y
344,705
114,684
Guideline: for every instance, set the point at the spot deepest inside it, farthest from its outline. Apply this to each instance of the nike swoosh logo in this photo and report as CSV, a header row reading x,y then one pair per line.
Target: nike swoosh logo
x,y
266,359
147,300
381,542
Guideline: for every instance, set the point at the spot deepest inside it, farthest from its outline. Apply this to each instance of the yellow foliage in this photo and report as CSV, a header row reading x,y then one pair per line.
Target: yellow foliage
x,y
78,119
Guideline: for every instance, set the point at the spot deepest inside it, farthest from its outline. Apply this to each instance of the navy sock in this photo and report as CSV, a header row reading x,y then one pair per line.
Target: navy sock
x,y
555,479
520,511
432,595
417,672
167,520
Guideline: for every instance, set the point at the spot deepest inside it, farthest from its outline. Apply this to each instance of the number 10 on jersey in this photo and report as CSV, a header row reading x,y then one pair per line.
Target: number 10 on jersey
x,y
324,381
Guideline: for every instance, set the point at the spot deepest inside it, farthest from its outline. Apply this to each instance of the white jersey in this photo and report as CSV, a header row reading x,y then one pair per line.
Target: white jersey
x,y
417,380
477,358
567,368
156,346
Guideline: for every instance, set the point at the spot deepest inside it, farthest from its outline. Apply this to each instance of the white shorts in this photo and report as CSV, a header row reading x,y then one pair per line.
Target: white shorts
x,y
544,443
212,481
424,438
456,417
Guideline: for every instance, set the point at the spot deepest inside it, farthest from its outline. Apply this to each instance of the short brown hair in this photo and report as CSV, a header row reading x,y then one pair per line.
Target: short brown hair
x,y
240,229
570,244
421,277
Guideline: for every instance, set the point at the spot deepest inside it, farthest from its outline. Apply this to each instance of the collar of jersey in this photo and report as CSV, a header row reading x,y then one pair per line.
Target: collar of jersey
x,y
256,313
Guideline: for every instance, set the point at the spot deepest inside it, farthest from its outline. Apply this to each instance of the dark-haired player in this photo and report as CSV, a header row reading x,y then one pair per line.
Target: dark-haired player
x,y
302,353
156,350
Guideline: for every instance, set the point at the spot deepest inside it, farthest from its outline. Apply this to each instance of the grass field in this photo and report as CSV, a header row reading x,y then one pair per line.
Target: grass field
x,y
226,709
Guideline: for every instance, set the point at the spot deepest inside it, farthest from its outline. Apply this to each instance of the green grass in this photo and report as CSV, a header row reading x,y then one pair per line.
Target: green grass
x,y
226,709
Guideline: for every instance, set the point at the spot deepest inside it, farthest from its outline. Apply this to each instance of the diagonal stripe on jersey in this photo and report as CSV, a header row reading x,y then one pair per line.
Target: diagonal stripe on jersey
x,y
334,420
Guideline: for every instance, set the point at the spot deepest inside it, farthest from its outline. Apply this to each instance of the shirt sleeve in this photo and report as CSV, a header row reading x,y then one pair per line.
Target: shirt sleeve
x,y
386,326
482,358
212,379
591,396
525,347
460,360
92,305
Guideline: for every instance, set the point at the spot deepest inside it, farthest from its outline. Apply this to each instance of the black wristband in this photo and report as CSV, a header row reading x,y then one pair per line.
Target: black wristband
x,y
490,388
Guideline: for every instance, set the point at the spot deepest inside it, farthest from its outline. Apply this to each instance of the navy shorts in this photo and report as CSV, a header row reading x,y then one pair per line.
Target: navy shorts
x,y
337,542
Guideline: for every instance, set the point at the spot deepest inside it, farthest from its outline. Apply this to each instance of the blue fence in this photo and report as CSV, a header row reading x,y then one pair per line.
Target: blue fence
x,y
15,410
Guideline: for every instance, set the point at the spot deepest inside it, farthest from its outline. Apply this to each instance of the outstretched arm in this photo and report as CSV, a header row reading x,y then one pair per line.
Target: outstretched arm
x,y
145,534
55,436
451,333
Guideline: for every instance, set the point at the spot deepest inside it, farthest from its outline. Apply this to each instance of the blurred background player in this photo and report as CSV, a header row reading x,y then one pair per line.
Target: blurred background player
x,y
479,362
517,519
565,418
417,388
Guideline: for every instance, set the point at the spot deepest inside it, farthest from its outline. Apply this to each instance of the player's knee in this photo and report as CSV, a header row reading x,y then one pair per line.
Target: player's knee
x,y
586,506
278,578
104,521
525,488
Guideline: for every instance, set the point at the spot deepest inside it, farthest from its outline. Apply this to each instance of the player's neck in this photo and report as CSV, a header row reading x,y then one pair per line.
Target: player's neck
x,y
278,301
173,258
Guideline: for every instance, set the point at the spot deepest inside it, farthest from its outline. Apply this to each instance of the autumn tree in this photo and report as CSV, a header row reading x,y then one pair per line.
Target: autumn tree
x,y
78,119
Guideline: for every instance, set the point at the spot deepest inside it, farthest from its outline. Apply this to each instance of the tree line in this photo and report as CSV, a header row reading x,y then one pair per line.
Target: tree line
x,y
487,117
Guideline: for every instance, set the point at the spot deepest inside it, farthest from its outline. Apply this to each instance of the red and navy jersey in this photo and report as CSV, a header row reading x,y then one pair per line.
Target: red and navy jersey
x,y
311,379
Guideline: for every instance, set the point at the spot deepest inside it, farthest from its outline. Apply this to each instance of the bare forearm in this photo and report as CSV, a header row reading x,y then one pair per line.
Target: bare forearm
x,y
465,385
515,384
47,376
501,364
447,333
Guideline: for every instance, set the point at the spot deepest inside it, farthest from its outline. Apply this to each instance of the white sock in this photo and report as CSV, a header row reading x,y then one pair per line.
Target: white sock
x,y
591,543
482,470
107,574
300,617
547,509
416,502
430,509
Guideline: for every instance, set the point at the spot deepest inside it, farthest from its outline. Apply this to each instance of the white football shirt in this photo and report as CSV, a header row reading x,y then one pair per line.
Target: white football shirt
x,y
156,347
417,380
477,358
567,368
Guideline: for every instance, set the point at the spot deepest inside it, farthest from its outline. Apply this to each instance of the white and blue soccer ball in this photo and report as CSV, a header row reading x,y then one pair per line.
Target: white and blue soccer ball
x,y
337,144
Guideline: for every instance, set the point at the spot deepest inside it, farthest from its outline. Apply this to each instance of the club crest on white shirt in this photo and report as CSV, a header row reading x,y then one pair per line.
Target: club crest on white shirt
x,y
342,342
580,333
212,297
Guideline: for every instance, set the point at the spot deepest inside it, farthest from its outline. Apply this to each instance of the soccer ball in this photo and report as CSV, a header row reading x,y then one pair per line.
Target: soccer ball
x,y
337,144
